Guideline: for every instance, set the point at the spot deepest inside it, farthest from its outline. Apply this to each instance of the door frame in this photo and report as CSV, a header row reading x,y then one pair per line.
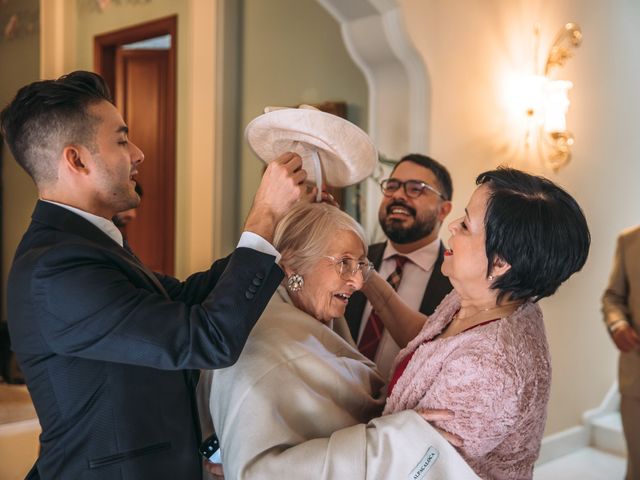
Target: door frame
x,y
105,47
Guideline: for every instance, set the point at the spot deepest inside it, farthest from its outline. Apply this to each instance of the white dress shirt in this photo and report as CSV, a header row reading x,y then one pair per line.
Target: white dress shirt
x,y
415,276
247,239
107,226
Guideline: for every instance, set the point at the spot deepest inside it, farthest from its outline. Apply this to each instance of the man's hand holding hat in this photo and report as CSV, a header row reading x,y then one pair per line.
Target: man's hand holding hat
x,y
282,185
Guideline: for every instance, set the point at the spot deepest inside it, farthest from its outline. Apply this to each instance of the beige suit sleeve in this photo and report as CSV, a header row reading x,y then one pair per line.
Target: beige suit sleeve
x,y
614,300
401,445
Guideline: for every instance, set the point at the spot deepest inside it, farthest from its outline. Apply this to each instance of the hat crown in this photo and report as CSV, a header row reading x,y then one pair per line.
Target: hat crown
x,y
346,152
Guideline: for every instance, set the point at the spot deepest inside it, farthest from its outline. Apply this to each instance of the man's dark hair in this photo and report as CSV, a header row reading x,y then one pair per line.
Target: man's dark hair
x,y
46,116
439,170
536,227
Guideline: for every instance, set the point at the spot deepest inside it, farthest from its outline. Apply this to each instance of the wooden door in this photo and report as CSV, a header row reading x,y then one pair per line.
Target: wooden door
x,y
143,83
142,96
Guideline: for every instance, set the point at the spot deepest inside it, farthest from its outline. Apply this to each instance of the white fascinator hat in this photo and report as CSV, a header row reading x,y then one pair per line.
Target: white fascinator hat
x,y
332,148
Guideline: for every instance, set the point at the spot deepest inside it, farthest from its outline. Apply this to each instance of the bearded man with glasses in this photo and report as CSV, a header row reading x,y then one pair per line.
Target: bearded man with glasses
x,y
416,200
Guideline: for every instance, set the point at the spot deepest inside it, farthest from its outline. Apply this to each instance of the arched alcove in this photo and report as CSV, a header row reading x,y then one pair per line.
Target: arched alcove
x,y
399,92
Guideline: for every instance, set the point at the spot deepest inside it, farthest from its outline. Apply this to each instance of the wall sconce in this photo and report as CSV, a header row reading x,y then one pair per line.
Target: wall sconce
x,y
545,100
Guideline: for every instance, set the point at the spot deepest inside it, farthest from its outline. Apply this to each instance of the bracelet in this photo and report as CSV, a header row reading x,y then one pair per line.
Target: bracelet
x,y
617,325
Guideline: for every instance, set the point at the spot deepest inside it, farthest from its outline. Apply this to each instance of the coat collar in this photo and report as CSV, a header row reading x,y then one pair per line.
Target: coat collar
x,y
59,218
107,226
66,221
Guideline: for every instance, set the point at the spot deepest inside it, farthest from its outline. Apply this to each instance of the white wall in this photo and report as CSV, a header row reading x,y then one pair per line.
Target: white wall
x,y
19,58
468,47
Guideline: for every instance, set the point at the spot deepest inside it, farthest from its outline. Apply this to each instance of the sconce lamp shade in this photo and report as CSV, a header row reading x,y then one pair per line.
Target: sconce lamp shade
x,y
545,101
556,105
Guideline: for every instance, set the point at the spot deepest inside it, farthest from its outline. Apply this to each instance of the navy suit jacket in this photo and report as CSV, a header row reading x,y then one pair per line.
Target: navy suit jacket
x,y
437,288
110,351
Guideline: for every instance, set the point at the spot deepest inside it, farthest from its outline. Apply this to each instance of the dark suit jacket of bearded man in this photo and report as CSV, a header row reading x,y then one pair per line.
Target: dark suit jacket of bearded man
x,y
110,351
436,289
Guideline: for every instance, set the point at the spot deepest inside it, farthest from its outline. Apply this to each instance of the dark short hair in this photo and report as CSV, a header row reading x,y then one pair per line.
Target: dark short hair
x,y
439,170
535,226
45,116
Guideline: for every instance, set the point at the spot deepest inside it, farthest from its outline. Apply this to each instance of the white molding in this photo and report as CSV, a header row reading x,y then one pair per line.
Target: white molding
x,y
375,36
58,19
198,182
575,438
227,114
418,81
563,443
610,403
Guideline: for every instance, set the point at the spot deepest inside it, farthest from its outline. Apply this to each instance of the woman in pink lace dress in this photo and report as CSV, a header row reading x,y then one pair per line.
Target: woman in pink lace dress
x,y
483,353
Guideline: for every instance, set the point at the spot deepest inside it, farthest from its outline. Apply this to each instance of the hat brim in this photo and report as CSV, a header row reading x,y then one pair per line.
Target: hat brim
x,y
347,154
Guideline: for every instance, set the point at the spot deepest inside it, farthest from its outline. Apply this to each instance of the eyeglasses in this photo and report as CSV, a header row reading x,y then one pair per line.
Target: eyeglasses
x,y
413,188
348,267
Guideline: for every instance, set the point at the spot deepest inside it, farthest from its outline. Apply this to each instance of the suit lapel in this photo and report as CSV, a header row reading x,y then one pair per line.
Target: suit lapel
x,y
437,288
358,301
62,219
375,254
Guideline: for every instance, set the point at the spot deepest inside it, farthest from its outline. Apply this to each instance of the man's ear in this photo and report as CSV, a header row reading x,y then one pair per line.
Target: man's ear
x,y
500,266
74,158
445,209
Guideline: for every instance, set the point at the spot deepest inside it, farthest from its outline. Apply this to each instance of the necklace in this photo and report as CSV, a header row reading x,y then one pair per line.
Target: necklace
x,y
484,314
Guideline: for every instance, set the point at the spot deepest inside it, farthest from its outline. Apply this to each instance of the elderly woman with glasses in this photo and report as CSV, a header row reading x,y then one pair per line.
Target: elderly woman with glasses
x,y
300,377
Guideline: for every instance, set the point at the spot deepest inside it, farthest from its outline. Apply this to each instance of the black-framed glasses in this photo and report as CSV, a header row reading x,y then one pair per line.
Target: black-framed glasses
x,y
413,188
347,267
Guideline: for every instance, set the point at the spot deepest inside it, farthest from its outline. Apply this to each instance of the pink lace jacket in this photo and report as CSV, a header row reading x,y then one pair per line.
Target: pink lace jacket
x,y
495,378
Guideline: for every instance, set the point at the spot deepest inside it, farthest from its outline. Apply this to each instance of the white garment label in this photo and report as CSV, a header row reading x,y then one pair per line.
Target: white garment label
x,y
424,465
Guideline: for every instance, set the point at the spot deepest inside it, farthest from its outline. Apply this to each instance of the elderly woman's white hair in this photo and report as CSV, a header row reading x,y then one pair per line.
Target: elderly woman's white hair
x,y
303,234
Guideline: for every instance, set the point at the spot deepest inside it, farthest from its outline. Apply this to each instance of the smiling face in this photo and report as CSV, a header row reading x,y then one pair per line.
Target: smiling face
x,y
114,163
465,262
325,293
414,222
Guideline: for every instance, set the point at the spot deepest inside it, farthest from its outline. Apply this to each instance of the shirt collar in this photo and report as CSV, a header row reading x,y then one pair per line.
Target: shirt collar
x,y
424,257
107,226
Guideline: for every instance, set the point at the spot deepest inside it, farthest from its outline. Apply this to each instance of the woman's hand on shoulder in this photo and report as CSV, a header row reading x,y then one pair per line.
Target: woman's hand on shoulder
x,y
434,415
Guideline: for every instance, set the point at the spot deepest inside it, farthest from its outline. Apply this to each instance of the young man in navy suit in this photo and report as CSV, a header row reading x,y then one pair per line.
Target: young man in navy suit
x,y
416,200
110,350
